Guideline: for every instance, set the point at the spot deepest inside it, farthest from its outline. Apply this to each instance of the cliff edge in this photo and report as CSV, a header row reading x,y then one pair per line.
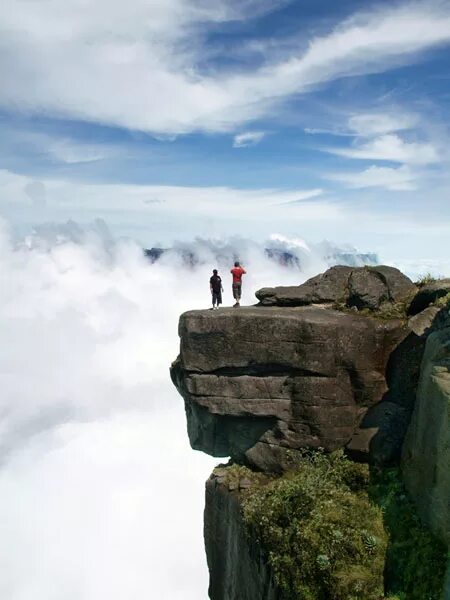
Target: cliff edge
x,y
330,368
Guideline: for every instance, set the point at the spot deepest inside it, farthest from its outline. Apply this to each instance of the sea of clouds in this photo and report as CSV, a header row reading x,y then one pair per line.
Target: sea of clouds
x,y
101,496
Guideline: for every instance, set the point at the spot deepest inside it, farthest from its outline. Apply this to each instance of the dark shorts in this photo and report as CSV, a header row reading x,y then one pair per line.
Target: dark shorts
x,y
217,297
237,291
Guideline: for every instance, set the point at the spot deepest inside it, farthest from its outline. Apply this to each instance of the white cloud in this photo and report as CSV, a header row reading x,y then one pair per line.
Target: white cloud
x,y
150,202
136,64
373,124
394,179
249,138
95,454
70,152
393,148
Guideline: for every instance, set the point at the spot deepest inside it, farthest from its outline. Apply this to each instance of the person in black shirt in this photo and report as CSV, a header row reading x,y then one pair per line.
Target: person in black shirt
x,y
215,285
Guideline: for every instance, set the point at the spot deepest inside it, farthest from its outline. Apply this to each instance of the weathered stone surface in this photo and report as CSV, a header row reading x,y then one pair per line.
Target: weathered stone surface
x,y
426,452
429,294
422,323
260,383
238,568
361,287
331,286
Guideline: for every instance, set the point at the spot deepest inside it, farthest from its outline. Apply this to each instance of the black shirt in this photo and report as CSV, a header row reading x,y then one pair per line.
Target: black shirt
x,y
216,284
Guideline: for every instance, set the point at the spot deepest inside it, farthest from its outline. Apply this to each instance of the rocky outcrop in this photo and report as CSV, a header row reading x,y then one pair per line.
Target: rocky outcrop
x,y
362,287
263,382
426,453
259,383
428,294
238,568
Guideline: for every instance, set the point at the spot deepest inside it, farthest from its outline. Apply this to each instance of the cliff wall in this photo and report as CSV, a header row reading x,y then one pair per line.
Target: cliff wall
x,y
426,454
238,567
332,364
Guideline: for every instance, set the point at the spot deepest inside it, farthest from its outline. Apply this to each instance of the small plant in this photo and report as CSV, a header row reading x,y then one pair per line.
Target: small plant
x,y
386,312
235,475
443,301
425,279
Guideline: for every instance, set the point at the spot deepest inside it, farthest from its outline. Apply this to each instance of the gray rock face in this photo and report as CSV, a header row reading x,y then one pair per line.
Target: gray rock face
x,y
429,294
361,287
260,383
238,569
426,452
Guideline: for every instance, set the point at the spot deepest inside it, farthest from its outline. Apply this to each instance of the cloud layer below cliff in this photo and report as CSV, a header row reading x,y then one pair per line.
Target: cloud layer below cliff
x,y
102,496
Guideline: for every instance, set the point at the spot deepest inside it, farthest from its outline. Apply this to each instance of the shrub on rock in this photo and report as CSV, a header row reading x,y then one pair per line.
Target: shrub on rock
x,y
323,537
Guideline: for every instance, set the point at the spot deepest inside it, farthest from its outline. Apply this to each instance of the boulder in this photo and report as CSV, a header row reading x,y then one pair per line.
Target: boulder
x,y
428,294
327,287
426,451
361,287
261,382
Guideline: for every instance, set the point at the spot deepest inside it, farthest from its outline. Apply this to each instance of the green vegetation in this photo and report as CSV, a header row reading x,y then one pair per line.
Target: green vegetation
x,y
426,279
333,531
386,312
323,537
235,475
443,301
415,559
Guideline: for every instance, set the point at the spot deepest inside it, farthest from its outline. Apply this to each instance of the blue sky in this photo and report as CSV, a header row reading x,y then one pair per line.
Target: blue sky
x,y
179,118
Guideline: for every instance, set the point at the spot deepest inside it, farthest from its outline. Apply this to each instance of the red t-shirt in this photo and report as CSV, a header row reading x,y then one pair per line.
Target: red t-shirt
x,y
237,273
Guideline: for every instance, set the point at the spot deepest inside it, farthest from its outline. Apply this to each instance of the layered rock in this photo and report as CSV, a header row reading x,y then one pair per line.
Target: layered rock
x,y
259,383
426,452
361,287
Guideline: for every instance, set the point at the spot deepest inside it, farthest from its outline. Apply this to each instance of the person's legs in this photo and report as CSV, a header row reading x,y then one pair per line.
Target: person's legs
x,y
237,293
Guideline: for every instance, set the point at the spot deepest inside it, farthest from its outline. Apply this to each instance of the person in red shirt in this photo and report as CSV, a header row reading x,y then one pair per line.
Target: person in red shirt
x,y
237,273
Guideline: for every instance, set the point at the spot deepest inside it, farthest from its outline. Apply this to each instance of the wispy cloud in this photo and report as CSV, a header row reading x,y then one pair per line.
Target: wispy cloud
x,y
373,124
249,138
391,148
394,179
157,201
68,152
147,75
